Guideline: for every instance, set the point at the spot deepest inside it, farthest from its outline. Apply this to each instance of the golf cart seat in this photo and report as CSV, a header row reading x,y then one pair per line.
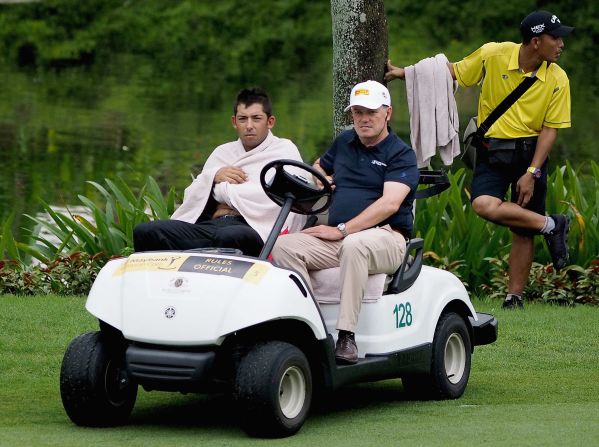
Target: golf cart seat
x,y
327,282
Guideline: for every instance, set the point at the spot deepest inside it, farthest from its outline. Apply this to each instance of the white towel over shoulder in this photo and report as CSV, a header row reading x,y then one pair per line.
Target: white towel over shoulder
x,y
248,198
433,112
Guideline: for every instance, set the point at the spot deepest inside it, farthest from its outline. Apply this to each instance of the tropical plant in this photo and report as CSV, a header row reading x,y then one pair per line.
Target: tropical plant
x,y
110,232
576,194
458,240
8,245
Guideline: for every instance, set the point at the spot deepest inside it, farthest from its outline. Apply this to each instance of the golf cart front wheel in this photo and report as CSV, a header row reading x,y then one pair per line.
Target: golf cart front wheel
x,y
450,365
94,386
273,389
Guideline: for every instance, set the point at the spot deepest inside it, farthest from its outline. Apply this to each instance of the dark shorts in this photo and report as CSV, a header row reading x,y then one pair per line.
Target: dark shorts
x,y
496,180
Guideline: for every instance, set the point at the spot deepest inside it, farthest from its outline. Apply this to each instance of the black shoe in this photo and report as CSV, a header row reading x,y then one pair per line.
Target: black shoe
x,y
513,302
346,350
557,241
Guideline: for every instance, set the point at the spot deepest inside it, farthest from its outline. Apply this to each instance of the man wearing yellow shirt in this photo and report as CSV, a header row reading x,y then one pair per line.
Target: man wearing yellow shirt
x,y
525,134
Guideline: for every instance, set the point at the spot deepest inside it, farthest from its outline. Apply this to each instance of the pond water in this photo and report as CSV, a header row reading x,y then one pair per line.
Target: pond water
x,y
59,130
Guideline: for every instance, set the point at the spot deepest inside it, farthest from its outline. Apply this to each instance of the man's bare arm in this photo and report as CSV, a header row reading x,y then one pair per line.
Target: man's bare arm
x,y
394,193
394,72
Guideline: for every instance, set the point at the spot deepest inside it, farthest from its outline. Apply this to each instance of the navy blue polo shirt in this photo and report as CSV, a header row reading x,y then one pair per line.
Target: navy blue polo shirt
x,y
360,172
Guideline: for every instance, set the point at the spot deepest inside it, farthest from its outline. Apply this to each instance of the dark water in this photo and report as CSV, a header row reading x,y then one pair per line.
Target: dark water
x,y
59,130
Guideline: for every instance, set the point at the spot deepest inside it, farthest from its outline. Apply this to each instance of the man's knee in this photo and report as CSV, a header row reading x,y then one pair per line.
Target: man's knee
x,y
143,229
143,233
486,206
154,235
354,246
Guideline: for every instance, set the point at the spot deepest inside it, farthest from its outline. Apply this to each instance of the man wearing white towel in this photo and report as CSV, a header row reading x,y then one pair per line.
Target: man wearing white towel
x,y
225,206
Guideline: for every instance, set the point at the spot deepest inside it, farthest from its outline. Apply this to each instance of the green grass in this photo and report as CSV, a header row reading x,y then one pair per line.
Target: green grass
x,y
537,385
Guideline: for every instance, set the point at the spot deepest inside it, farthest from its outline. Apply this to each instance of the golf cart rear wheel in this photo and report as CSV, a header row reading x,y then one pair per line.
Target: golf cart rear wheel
x,y
450,366
273,389
94,386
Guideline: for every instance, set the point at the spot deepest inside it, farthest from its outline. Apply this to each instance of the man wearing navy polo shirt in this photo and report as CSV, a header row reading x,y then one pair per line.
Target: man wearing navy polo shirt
x,y
374,174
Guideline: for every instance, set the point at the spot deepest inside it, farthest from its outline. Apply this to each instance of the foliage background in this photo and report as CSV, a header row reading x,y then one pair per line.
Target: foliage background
x,y
172,56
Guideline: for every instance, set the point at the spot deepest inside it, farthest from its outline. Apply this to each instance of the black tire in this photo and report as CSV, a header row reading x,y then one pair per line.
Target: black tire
x,y
273,390
94,387
450,365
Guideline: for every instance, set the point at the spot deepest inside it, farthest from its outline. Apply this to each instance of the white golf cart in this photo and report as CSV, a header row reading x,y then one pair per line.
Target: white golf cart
x,y
213,320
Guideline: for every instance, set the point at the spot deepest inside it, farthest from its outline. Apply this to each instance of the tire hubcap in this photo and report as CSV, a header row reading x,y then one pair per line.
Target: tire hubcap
x,y
292,392
115,384
455,358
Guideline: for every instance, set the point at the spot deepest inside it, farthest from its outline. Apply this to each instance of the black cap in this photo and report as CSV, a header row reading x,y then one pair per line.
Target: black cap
x,y
543,22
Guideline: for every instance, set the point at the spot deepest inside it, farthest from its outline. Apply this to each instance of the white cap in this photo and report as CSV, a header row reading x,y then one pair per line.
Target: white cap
x,y
369,94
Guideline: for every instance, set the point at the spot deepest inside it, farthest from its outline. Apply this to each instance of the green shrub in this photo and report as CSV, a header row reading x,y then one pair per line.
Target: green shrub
x,y
66,275
111,232
572,285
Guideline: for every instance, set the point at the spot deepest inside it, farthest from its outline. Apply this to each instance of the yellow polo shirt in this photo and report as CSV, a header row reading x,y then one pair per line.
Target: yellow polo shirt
x,y
546,103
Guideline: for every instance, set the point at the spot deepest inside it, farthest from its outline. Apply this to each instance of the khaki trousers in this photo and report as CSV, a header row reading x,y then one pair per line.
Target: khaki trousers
x,y
376,250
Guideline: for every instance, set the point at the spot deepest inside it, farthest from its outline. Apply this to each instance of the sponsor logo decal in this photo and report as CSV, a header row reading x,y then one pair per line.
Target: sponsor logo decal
x,y
211,265
378,163
150,263
538,28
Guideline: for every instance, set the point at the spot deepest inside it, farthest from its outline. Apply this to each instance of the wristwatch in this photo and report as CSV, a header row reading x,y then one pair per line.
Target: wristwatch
x,y
341,227
536,172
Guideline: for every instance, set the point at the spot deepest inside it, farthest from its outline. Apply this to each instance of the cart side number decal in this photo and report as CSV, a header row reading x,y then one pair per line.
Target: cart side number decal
x,y
403,315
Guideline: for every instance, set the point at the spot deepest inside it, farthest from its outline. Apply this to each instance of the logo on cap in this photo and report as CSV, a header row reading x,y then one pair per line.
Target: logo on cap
x,y
538,29
554,19
363,91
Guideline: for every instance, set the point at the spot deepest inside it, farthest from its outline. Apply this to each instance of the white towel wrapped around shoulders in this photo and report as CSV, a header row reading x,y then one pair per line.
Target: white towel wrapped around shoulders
x,y
248,198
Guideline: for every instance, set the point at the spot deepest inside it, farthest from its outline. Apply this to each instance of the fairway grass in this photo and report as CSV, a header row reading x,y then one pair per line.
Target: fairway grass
x,y
538,385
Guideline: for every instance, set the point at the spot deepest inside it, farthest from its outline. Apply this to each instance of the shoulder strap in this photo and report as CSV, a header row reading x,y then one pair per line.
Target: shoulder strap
x,y
505,104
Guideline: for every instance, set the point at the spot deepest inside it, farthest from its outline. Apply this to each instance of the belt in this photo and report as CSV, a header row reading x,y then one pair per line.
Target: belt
x,y
231,216
510,143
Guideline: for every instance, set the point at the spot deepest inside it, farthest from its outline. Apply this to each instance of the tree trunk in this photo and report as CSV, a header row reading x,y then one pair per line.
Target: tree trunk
x,y
360,50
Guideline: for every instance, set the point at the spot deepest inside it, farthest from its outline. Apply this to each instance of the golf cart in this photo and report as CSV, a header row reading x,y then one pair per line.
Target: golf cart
x,y
213,319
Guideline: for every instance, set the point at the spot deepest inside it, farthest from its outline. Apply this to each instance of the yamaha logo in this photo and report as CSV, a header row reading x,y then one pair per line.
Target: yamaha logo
x,y
169,312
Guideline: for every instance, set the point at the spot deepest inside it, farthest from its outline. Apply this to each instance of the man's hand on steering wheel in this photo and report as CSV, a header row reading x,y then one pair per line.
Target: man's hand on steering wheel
x,y
317,181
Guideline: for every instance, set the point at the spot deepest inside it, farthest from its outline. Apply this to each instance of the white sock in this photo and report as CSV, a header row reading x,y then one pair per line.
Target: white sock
x,y
549,225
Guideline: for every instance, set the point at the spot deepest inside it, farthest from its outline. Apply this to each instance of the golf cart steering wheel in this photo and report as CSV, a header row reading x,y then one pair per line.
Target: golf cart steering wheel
x,y
307,197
